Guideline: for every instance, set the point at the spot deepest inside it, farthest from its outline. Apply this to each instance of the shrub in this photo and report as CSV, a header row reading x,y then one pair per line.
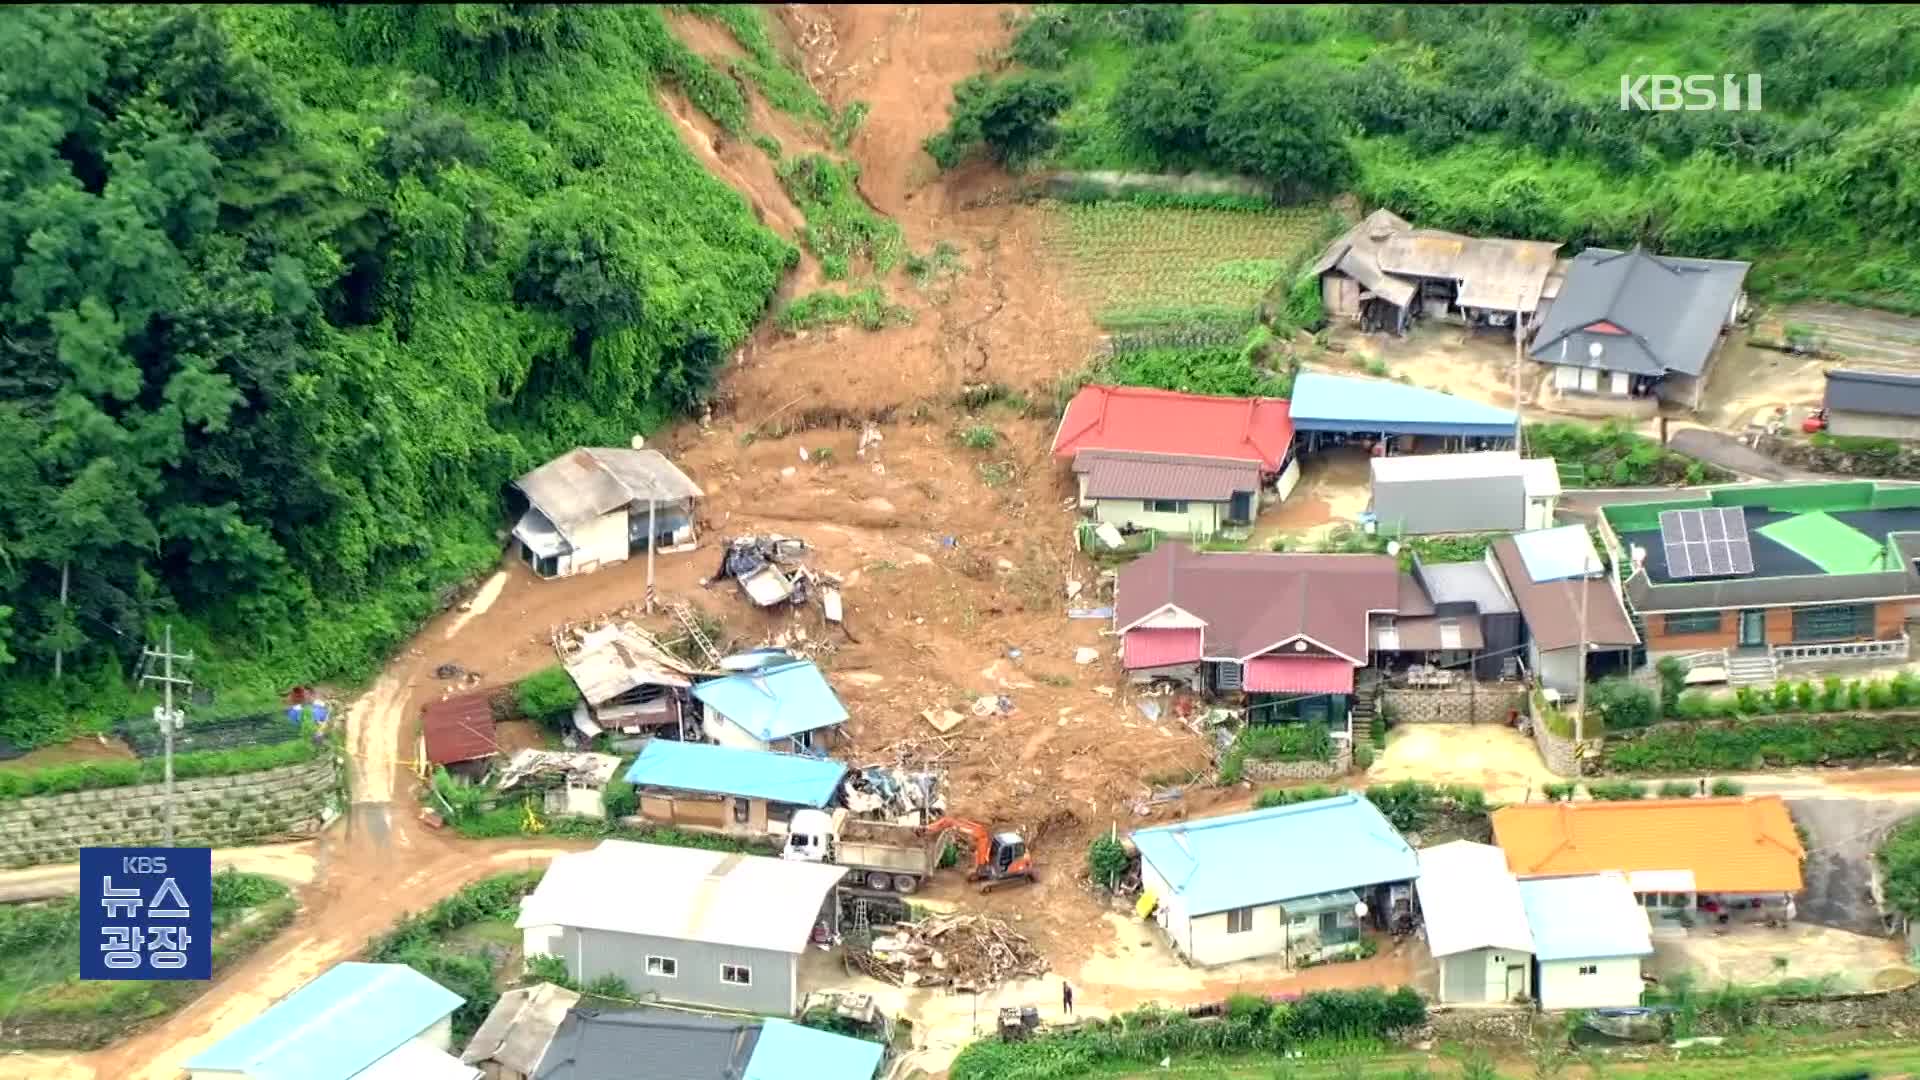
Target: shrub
x,y
1250,1008
619,798
1623,705
1747,701
1899,858
1782,697
1725,788
1803,696
1677,789
1560,791
1905,688
1012,119
866,308
1272,797
1107,860
59,779
1363,756
979,437
1616,790
1287,742
547,696
1673,680
1764,743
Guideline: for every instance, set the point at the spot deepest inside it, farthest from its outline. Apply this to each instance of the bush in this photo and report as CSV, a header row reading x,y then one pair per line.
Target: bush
x,y
1673,680
1012,119
1782,697
1272,797
1411,805
1363,756
979,437
1677,789
547,696
93,776
867,308
1765,743
1622,704
1725,788
619,799
1899,859
1107,861
1559,791
1286,742
1804,695
1616,790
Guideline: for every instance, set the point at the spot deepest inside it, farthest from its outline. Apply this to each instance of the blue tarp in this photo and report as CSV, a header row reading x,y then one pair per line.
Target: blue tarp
x,y
752,774
775,702
334,1027
1335,403
789,1051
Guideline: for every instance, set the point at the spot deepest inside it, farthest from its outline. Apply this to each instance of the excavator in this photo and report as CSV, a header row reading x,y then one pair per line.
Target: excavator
x,y
998,858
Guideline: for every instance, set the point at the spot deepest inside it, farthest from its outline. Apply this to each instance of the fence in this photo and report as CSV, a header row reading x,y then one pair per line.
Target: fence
x,y
1473,703
260,729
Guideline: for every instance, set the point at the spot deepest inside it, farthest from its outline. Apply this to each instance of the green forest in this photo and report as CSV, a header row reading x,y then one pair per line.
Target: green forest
x,y
1500,119
293,291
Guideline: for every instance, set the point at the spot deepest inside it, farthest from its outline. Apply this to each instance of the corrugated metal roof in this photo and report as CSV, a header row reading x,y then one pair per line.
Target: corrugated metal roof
x,y
775,702
1265,856
1670,311
746,901
790,1051
353,1015
1298,675
580,485
459,728
418,1060
1421,468
1148,647
1323,402
1467,583
1143,420
1118,474
521,1026
1432,632
648,1044
1470,900
1385,254
1592,917
723,770
1883,393
615,659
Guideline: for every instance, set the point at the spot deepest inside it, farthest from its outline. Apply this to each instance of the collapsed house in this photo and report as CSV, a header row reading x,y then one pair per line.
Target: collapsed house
x,y
1383,273
629,685
574,784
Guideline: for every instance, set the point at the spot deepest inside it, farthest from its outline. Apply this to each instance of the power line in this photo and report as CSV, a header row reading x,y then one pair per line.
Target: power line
x,y
165,716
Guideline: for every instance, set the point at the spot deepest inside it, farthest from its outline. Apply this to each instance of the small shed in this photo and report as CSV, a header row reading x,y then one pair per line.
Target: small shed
x,y
725,789
1475,924
1490,491
594,506
458,733
1589,936
1874,404
353,1022
784,706
693,926
629,685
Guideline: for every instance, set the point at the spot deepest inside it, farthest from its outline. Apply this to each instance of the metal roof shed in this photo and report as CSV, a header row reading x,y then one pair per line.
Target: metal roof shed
x,y
333,1028
1470,900
724,770
1344,405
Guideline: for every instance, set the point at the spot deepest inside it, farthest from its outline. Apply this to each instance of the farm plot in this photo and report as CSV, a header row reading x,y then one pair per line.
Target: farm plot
x,y
1140,266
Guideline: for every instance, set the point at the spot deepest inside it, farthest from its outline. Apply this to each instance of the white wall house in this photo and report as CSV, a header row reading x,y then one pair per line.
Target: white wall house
x,y
1475,924
1590,935
594,506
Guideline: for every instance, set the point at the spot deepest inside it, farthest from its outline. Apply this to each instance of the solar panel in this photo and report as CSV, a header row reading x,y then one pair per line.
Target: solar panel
x,y
1706,543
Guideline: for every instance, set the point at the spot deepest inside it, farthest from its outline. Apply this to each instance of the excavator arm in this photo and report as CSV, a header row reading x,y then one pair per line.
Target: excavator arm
x,y
980,836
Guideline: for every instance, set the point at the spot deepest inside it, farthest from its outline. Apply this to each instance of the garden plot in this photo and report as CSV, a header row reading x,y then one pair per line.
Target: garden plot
x,y
1140,266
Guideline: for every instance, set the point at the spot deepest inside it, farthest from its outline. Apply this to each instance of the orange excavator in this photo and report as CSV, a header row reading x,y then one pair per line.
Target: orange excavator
x,y
998,858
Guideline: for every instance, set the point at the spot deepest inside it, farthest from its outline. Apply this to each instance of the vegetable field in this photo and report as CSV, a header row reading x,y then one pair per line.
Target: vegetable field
x,y
1141,266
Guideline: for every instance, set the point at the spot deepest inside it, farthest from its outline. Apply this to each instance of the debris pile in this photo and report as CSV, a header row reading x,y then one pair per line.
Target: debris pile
x,y
539,769
881,793
771,570
966,952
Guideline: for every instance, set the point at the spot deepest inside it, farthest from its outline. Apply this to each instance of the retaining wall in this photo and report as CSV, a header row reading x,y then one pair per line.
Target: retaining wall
x,y
1302,770
288,802
1561,754
1478,705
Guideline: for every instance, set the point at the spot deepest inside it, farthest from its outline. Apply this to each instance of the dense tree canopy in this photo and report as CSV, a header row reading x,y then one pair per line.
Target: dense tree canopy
x,y
287,294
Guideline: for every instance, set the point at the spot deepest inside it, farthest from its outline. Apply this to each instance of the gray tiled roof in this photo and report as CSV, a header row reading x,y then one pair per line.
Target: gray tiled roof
x,y
594,1044
1671,311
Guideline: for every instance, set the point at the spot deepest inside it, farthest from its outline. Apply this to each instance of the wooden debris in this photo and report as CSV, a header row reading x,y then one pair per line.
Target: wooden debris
x,y
966,952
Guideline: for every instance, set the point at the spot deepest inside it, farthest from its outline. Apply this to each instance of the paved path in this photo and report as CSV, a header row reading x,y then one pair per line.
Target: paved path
x,y
1722,449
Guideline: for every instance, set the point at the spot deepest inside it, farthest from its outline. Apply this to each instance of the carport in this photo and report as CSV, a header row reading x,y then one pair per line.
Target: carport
x,y
1333,410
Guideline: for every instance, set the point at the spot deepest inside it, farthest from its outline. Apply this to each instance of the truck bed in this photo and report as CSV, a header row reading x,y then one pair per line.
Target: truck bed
x,y
880,845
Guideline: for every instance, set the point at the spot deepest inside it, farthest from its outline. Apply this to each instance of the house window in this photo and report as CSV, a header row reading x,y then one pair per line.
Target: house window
x,y
665,967
736,974
1239,920
1837,622
1694,622
1166,506
739,811
1589,969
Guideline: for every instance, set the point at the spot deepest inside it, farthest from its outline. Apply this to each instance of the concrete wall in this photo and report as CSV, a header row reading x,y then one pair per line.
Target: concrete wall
x,y
1479,705
714,813
1341,764
1480,976
1213,945
1171,912
1201,518
594,954
1458,505
1889,622
1872,425
1614,984
288,802
600,542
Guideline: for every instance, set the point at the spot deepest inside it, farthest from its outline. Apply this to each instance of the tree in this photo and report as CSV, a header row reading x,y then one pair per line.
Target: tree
x,y
1167,98
1282,127
1012,118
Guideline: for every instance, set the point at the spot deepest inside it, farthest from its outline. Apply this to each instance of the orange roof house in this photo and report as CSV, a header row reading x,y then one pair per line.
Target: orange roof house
x,y
1733,845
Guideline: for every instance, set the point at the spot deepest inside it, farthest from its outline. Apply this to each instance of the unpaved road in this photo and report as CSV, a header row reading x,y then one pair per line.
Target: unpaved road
x,y
1880,338
1722,449
290,863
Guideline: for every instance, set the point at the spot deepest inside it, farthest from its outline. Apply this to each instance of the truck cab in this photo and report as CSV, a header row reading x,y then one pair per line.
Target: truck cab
x,y
810,835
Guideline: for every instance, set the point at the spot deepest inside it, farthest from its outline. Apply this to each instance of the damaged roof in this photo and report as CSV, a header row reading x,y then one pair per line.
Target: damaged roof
x,y
459,728
1253,602
1143,420
581,485
775,702
1639,313
1120,474
517,1032
1386,255
615,659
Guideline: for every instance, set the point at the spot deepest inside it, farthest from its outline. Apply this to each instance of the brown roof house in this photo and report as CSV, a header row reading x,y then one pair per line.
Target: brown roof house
x,y
1457,617
1383,273
1256,623
1565,594
457,733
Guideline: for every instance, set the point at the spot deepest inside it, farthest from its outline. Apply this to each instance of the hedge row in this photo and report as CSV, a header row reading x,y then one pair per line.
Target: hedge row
x,y
1759,744
94,775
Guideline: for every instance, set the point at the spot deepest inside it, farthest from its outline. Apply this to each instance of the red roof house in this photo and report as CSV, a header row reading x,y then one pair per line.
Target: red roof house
x,y
1138,420
457,729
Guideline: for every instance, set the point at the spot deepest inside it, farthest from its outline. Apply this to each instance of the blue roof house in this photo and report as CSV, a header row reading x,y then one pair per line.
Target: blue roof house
x,y
748,792
1295,882
786,707
1589,935
790,1051
359,1021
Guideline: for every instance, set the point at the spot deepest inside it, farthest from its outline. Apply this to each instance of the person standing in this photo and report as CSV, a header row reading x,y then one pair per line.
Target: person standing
x,y
1066,997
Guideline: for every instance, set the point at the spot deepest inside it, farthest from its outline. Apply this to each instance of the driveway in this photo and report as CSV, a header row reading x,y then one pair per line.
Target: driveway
x,y
1841,837
1719,448
1493,757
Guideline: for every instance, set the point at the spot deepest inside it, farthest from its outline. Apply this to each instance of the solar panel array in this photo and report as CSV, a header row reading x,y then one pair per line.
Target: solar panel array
x,y
1706,543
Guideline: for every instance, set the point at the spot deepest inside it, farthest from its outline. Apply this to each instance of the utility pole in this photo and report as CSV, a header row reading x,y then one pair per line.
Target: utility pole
x,y
653,537
165,715
1580,694
1519,301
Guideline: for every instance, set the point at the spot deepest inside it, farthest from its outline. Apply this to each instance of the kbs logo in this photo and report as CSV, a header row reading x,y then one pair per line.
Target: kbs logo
x,y
1694,93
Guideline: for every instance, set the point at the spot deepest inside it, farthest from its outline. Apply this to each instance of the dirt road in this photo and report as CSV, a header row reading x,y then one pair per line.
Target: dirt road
x,y
1880,338
290,863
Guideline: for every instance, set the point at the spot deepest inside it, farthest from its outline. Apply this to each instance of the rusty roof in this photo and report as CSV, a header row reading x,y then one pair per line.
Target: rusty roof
x,y
1741,844
459,728
1121,474
1252,602
617,658
1384,252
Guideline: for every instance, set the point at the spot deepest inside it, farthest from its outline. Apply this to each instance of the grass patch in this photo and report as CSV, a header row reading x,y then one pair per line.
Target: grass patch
x,y
841,228
866,308
783,87
1612,456
43,1003
93,776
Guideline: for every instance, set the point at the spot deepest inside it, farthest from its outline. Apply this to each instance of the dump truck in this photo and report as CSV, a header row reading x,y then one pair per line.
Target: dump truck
x,y
878,855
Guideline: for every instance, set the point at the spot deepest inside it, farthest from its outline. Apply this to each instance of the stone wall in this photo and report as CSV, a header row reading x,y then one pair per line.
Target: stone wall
x,y
1480,704
288,802
1302,770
